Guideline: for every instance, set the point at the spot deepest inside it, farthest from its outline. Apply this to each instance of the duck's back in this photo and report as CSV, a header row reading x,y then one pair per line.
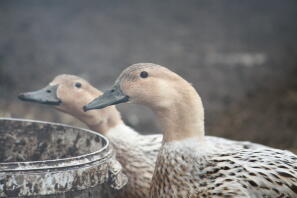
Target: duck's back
x,y
261,172
138,153
224,143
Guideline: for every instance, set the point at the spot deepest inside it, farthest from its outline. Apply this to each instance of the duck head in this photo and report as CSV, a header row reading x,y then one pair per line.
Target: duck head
x,y
69,93
176,103
142,83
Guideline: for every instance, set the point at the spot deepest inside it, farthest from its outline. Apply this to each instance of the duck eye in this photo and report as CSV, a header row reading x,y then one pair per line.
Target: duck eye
x,y
78,85
143,74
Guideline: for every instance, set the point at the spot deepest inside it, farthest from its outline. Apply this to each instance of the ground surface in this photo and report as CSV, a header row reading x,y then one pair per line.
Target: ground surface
x,y
241,56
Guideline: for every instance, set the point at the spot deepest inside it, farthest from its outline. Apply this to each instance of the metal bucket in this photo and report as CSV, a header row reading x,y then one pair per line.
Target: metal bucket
x,y
53,160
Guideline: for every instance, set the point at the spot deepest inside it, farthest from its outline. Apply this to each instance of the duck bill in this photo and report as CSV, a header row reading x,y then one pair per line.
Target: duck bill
x,y
47,95
109,97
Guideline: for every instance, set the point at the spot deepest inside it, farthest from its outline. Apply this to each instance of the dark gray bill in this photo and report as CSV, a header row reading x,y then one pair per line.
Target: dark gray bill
x,y
47,95
109,97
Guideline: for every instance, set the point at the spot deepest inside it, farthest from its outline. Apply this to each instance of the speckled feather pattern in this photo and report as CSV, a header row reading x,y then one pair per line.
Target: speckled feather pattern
x,y
200,169
138,153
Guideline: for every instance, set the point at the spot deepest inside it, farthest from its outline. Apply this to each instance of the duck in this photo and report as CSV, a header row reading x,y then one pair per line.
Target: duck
x,y
137,153
188,164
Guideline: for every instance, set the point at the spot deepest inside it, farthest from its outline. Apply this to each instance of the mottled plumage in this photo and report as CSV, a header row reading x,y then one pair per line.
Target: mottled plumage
x,y
189,169
138,153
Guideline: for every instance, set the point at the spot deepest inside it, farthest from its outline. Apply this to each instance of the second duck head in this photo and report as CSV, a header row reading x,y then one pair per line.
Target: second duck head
x,y
69,93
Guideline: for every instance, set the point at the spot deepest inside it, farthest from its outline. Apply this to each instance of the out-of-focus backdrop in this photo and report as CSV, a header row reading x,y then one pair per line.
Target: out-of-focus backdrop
x,y
240,55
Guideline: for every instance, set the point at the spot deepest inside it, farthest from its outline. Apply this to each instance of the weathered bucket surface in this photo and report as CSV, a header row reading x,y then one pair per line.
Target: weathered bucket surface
x,y
40,158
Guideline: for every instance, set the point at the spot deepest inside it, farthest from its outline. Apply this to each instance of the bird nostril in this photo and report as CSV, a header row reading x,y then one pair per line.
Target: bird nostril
x,y
48,91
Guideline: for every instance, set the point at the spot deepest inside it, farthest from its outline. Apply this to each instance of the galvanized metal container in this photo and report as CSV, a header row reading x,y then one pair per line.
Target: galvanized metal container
x,y
41,159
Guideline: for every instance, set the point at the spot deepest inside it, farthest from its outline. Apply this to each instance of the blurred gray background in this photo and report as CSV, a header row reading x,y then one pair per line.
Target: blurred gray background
x,y
240,55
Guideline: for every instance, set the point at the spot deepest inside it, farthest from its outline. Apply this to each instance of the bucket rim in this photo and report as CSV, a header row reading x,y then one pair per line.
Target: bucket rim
x,y
102,154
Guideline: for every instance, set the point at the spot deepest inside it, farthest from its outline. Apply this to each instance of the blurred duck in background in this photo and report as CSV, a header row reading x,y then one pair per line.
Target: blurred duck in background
x,y
188,164
137,153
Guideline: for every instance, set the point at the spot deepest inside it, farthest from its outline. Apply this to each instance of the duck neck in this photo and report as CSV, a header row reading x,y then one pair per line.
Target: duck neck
x,y
103,120
183,118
